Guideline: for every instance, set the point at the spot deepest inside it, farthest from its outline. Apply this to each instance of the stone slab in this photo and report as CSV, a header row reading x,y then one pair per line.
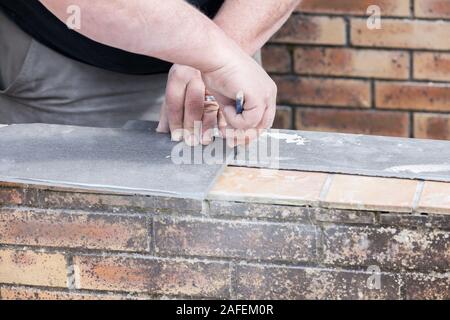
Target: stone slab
x,y
134,160
353,154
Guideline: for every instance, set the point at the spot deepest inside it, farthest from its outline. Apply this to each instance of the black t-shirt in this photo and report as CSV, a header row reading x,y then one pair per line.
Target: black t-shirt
x,y
42,25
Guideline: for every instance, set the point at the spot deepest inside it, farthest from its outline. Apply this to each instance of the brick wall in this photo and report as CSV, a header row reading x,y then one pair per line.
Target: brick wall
x,y
243,242
335,74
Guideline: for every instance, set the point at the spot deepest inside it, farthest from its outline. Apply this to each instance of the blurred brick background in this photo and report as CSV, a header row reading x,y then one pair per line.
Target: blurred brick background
x,y
335,74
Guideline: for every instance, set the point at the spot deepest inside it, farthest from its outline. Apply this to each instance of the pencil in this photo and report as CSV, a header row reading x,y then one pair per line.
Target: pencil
x,y
240,102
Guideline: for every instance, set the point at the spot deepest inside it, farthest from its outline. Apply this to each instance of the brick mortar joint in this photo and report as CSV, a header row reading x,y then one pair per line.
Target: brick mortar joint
x,y
208,215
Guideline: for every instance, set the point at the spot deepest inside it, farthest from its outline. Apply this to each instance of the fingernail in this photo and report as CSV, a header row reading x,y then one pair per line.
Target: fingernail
x,y
206,139
177,135
208,136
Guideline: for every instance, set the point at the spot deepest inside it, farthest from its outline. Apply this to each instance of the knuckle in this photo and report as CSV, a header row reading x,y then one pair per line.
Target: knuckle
x,y
176,74
173,108
274,88
251,122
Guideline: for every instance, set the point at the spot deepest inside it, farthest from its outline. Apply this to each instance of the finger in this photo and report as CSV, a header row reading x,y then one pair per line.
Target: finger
x,y
268,118
222,100
209,121
250,117
193,111
163,125
175,93
222,123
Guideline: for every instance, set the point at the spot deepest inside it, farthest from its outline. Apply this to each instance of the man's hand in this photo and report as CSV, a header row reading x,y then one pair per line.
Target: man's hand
x,y
184,107
244,74
184,102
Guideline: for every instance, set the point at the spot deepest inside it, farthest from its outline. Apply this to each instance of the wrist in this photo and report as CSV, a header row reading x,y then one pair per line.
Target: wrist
x,y
220,51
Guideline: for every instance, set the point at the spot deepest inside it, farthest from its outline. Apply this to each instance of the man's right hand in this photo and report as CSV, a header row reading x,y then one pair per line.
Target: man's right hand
x,y
185,95
244,74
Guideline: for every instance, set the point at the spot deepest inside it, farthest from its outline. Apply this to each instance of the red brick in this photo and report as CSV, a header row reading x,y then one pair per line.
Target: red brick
x,y
432,66
432,126
276,59
323,92
11,196
87,231
353,121
283,118
32,268
23,293
432,8
355,7
387,247
312,30
371,193
411,34
350,62
229,209
153,276
282,283
413,96
255,241
268,186
116,203
434,286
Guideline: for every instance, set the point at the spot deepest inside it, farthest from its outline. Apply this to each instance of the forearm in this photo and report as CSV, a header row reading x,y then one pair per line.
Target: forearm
x,y
251,23
171,30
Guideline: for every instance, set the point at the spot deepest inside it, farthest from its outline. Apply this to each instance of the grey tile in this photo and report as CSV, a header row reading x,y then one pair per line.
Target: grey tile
x,y
352,154
135,160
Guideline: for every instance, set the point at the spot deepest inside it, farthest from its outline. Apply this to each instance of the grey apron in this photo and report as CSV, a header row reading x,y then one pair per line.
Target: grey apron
x,y
38,84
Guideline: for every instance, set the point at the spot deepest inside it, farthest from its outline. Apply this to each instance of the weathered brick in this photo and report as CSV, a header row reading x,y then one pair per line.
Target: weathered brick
x,y
153,276
313,30
427,286
11,196
355,7
323,92
283,118
432,8
432,126
352,62
260,211
415,221
32,268
386,247
413,96
235,239
353,121
74,200
413,34
24,293
345,216
257,282
432,66
73,230
276,59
